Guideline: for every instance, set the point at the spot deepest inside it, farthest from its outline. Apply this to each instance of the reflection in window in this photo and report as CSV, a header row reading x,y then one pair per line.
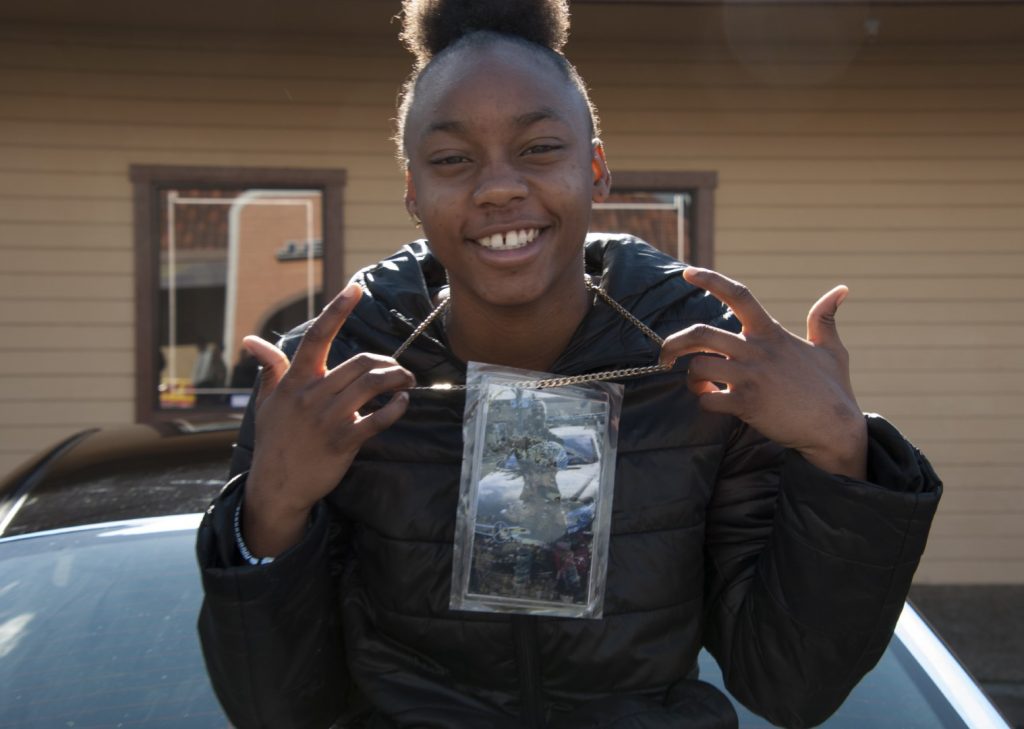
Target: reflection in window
x,y
660,218
232,262
672,210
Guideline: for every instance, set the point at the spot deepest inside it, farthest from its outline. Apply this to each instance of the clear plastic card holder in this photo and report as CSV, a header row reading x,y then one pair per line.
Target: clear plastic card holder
x,y
535,500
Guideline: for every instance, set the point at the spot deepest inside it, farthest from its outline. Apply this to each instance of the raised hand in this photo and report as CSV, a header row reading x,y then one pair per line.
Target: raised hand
x,y
795,391
308,425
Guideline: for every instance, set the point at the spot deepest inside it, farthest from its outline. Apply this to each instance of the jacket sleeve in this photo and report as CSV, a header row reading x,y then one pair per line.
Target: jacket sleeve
x,y
271,634
807,572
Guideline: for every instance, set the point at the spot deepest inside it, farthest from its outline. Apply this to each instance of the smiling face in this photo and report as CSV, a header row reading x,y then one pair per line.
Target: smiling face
x,y
502,172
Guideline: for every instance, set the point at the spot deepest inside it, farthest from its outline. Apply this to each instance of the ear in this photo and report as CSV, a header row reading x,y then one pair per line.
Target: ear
x,y
410,196
602,175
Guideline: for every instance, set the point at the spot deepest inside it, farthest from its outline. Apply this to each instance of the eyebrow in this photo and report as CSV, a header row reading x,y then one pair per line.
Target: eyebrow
x,y
532,117
522,121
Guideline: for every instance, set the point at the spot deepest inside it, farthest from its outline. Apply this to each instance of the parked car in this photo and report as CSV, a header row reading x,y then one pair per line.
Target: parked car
x,y
99,594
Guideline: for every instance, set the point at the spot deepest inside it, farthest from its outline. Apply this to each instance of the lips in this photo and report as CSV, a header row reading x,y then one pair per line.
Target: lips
x,y
508,240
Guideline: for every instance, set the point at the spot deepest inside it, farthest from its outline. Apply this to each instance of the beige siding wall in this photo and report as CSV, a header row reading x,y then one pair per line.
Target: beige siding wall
x,y
899,172
897,169
77,109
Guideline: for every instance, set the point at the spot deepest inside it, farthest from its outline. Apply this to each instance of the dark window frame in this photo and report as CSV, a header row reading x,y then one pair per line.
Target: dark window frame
x,y
147,183
701,188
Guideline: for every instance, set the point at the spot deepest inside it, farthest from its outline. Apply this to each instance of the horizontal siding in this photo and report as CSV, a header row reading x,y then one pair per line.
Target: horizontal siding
x,y
41,106
62,336
772,166
752,26
903,178
974,568
817,122
967,477
646,93
934,194
66,388
948,290
65,286
978,500
23,158
47,234
81,311
941,405
956,363
16,158
875,312
924,382
856,264
67,260
966,525
66,361
119,56
94,185
691,119
636,145
872,241
138,83
52,413
897,169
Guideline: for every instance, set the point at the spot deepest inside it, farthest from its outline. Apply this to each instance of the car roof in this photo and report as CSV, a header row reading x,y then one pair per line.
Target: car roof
x,y
119,473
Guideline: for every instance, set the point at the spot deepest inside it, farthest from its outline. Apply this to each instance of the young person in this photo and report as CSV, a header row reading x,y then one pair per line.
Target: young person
x,y
764,517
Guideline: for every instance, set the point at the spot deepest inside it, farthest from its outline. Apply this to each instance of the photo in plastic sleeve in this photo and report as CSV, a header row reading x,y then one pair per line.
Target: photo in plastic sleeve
x,y
538,465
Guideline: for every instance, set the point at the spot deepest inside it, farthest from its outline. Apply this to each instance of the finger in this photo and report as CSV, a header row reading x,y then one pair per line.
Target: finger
x,y
342,376
366,387
720,401
716,369
700,387
273,364
821,319
382,419
734,294
310,360
703,338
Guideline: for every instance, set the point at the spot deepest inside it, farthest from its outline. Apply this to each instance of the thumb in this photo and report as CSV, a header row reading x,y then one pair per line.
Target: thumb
x,y
273,364
821,319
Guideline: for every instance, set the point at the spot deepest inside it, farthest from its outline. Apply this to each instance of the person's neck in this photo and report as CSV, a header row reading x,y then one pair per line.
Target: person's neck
x,y
527,337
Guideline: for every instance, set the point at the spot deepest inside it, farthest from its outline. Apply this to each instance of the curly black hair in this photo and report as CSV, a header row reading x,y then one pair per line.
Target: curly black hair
x,y
430,28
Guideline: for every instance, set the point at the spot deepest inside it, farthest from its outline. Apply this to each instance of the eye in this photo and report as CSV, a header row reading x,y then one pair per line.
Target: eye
x,y
451,159
541,148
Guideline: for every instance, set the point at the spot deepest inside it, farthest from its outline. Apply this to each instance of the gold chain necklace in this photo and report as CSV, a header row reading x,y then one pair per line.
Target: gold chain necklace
x,y
443,307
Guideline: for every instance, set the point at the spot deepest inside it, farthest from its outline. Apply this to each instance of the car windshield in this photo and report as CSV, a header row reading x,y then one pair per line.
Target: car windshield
x,y
97,629
896,694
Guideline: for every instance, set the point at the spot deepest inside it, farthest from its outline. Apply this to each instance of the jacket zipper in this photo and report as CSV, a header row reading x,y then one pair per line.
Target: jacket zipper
x,y
524,631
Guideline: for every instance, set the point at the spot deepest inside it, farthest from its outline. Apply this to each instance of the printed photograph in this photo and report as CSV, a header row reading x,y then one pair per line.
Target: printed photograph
x,y
539,477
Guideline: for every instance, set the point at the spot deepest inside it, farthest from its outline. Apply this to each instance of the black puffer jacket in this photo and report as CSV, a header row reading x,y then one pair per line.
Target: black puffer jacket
x,y
792,577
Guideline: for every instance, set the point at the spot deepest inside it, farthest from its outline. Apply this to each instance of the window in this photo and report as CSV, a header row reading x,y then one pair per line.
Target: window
x,y
222,253
673,211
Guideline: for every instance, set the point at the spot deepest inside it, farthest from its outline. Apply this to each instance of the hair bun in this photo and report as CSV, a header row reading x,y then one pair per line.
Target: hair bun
x,y
430,26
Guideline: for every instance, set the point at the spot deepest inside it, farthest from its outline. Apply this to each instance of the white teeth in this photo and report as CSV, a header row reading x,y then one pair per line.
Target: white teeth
x,y
508,241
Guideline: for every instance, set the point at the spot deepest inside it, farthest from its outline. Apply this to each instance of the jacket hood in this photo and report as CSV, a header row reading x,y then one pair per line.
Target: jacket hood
x,y
398,294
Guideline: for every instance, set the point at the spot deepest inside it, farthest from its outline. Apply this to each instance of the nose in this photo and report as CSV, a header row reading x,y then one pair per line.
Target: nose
x,y
499,184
